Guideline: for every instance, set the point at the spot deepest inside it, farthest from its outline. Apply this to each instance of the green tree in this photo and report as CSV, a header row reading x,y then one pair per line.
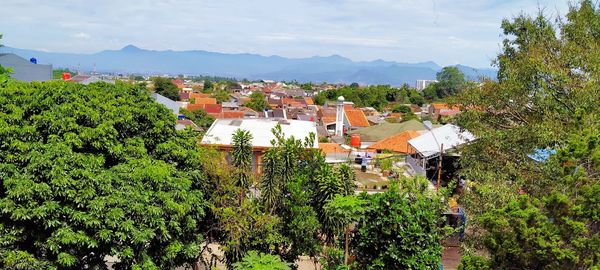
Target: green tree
x,y
450,82
396,220
4,72
241,160
208,86
165,87
199,117
260,261
401,108
258,102
221,95
344,211
95,171
546,97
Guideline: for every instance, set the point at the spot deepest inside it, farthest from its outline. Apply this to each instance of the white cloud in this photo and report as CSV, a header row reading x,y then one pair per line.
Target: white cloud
x,y
82,35
400,30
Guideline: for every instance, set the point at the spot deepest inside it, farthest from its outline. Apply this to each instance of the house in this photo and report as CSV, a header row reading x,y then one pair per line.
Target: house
x,y
276,113
438,110
170,104
327,117
431,144
292,103
309,101
335,153
220,134
227,114
185,123
190,95
205,101
373,134
249,113
370,111
354,118
208,108
396,143
233,106
87,79
24,70
375,120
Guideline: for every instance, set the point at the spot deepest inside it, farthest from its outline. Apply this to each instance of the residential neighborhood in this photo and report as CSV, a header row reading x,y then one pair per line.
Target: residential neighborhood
x,y
300,135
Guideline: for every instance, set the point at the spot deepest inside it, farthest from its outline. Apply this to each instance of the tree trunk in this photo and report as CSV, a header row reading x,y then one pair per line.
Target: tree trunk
x,y
346,247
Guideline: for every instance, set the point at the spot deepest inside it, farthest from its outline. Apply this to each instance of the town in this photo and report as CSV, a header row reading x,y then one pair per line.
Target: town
x,y
446,168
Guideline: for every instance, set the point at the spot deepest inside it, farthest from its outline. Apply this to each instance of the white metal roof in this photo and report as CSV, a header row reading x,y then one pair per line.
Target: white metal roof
x,y
450,136
221,131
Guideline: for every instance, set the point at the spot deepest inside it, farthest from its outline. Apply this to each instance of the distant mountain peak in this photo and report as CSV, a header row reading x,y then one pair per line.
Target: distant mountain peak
x,y
131,48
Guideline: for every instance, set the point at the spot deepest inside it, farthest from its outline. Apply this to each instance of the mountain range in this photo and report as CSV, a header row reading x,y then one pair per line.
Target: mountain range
x,y
333,69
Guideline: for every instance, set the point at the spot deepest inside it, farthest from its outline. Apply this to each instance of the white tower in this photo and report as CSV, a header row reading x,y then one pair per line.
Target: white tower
x,y
339,117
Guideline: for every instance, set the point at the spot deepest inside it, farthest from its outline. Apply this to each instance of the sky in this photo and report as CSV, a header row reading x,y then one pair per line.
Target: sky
x,y
447,32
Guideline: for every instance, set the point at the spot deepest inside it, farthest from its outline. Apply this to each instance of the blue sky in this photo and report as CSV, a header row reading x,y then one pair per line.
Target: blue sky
x,y
445,31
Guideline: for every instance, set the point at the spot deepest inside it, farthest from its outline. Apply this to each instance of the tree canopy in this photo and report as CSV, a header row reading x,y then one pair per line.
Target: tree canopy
x,y
450,81
376,96
165,87
537,213
257,102
94,171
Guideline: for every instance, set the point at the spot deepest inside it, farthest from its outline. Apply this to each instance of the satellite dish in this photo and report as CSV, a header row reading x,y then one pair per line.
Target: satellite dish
x,y
33,60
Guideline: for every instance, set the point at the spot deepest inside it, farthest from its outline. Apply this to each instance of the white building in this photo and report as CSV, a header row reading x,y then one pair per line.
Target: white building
x,y
422,84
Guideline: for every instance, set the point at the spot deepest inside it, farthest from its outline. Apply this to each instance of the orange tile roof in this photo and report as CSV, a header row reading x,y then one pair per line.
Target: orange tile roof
x,y
397,143
291,102
309,101
209,108
328,148
205,100
228,114
444,106
356,118
199,95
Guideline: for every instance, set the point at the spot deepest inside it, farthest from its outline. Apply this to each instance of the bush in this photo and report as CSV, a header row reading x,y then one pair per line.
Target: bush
x,y
473,262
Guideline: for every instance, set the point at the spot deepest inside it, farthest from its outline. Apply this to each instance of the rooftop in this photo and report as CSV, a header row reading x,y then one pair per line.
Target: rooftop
x,y
397,143
449,136
382,131
222,130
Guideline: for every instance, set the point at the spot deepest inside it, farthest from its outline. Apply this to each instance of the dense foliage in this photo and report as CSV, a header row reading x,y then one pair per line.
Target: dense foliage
x,y
94,171
400,229
260,261
199,117
165,87
376,96
258,102
546,98
450,81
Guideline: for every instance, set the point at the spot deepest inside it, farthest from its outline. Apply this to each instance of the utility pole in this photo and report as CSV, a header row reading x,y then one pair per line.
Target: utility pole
x,y
437,186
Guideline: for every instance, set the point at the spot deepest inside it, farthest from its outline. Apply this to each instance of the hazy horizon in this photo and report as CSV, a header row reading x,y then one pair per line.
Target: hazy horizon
x,y
445,32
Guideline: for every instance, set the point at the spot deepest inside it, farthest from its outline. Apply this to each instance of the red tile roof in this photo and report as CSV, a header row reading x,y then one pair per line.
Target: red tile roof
x,y
199,95
205,100
444,106
228,114
328,148
209,108
356,118
397,143
309,101
327,115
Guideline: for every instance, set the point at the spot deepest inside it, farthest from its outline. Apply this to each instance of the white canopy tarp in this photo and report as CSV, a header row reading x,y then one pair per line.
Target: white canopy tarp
x,y
450,136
